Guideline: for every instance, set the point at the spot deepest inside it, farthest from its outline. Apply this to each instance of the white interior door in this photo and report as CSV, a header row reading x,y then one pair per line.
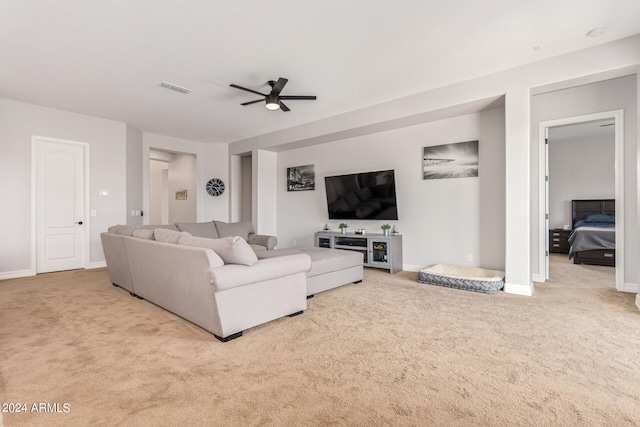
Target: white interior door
x,y
60,206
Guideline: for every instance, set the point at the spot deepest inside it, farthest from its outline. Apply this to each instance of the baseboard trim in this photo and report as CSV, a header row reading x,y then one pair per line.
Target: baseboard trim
x,y
411,267
17,274
630,287
512,288
98,264
638,301
536,278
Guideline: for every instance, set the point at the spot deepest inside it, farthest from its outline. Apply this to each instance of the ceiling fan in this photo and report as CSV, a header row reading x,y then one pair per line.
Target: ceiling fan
x,y
273,99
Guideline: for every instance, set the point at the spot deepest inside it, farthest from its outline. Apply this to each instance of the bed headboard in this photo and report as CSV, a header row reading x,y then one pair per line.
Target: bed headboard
x,y
580,209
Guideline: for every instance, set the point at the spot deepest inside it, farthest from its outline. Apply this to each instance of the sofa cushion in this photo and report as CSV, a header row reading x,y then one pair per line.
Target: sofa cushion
x,y
124,230
168,236
154,226
323,260
257,248
232,250
143,233
199,229
339,205
231,276
242,229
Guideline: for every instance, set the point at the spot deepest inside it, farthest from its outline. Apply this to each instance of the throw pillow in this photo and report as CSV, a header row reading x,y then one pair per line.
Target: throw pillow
x,y
351,199
199,229
232,250
142,233
242,229
169,236
364,194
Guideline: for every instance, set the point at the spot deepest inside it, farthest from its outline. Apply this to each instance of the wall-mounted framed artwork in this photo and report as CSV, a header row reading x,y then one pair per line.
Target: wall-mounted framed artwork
x,y
301,178
457,160
181,194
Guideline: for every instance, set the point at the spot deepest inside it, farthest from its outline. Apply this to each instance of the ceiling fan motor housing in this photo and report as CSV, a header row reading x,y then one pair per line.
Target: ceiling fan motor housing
x,y
272,101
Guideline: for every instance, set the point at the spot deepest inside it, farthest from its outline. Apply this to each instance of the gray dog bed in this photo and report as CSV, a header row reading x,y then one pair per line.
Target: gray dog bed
x,y
465,278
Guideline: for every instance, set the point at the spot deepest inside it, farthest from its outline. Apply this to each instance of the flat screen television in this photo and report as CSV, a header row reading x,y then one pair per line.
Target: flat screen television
x,y
366,195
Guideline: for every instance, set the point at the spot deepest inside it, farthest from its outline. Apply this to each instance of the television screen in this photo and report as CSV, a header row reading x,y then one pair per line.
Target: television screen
x,y
367,195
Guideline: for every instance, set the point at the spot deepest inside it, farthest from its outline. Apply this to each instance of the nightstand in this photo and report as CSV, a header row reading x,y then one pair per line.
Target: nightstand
x,y
559,241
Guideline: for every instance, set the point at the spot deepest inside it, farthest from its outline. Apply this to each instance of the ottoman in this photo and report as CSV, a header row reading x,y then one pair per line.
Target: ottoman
x,y
330,268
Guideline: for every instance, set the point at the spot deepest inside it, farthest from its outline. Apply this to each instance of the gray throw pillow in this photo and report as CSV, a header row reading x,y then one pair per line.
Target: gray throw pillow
x,y
242,229
232,250
168,236
199,229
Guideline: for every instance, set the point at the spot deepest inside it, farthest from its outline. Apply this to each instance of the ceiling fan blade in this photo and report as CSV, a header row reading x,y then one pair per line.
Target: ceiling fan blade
x,y
284,107
248,90
277,88
252,102
298,97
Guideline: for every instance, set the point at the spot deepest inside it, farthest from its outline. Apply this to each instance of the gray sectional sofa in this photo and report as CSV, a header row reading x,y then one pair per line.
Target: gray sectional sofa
x,y
222,276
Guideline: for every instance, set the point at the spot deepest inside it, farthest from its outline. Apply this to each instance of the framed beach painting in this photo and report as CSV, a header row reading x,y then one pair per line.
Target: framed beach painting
x,y
457,160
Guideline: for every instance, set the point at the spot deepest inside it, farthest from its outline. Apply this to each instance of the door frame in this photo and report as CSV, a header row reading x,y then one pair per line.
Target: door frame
x,y
35,141
543,227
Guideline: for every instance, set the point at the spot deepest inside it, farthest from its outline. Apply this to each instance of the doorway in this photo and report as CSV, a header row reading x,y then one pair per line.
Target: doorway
x,y
551,208
60,176
172,187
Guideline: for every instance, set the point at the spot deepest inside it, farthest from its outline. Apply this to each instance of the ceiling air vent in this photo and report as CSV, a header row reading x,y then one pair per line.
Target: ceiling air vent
x,y
176,88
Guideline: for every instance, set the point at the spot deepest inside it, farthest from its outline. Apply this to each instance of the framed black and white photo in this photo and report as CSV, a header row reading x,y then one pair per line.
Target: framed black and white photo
x,y
301,178
457,160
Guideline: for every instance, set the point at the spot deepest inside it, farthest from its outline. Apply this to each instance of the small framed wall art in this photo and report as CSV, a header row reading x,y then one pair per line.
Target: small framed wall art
x,y
301,178
181,194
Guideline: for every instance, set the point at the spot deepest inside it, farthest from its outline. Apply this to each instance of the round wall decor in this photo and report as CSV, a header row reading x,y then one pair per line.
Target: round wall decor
x,y
215,187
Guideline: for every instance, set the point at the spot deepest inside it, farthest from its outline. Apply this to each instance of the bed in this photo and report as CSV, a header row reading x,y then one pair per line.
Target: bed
x,y
465,278
593,235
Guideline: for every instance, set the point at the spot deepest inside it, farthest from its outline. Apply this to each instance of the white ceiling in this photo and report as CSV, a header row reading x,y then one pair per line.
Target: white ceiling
x,y
107,58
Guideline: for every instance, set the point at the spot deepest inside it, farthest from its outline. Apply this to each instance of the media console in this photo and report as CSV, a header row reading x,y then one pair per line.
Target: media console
x,y
379,251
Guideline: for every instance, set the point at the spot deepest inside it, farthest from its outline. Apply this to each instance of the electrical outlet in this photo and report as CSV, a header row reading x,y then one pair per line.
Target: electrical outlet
x,y
469,257
93,213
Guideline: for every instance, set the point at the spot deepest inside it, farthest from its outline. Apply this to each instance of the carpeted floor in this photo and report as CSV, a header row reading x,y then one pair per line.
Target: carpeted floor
x,y
387,351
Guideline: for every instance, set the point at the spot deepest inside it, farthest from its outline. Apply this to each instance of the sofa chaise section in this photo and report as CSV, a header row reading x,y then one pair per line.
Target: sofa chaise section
x,y
194,283
330,268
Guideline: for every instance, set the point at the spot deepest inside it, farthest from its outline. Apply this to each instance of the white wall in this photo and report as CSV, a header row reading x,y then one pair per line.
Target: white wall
x,y
211,161
265,192
119,164
607,95
158,210
182,176
215,164
442,221
134,174
516,85
107,142
580,168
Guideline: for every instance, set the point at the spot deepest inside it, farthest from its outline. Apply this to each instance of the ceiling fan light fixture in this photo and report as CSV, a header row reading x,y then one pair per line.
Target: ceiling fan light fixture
x,y
272,102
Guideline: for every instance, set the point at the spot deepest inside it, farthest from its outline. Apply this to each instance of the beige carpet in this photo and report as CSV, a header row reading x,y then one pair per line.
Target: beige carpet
x,y
387,351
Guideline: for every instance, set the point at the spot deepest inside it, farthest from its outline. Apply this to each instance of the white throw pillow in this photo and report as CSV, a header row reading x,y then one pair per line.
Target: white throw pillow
x,y
232,250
